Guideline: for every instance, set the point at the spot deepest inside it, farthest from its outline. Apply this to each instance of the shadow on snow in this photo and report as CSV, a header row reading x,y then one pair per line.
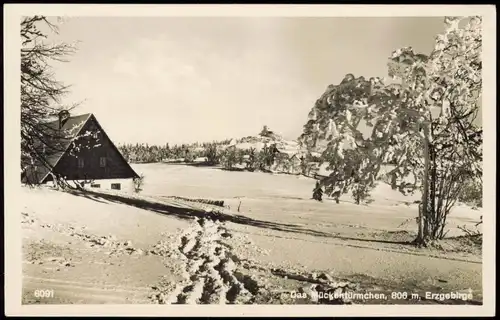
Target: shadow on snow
x,y
189,213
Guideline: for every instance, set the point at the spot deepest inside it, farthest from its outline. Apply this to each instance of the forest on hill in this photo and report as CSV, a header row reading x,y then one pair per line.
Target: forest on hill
x,y
267,152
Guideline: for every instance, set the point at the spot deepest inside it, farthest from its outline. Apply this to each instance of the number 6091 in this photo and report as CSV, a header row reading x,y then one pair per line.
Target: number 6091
x,y
44,293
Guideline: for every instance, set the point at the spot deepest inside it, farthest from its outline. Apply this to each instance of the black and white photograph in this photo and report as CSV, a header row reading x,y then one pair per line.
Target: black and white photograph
x,y
228,159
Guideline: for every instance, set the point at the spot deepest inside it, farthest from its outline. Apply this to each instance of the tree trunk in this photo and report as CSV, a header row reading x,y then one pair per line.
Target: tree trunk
x,y
424,205
434,213
394,185
358,195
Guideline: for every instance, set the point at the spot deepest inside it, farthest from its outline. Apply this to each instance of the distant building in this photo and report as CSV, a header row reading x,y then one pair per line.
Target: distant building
x,y
80,151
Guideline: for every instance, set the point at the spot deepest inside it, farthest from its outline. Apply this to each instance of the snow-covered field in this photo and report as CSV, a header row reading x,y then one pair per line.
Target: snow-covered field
x,y
270,240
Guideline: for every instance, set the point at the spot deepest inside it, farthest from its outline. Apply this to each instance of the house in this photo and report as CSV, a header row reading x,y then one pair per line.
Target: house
x,y
81,152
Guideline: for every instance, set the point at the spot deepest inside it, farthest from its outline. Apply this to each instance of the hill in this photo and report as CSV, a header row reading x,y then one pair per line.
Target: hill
x,y
289,156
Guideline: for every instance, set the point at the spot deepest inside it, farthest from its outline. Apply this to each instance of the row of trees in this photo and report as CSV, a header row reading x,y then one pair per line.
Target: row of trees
x,y
215,153
143,152
269,158
251,159
424,124
222,153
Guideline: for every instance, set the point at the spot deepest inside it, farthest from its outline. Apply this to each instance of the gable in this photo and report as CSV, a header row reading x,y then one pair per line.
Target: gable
x,y
83,157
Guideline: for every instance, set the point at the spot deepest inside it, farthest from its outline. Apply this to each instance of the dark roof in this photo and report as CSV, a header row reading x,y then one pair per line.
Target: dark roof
x,y
75,122
57,141
70,129
61,140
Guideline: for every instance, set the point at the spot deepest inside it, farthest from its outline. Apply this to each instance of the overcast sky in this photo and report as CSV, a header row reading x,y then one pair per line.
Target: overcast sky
x,y
177,80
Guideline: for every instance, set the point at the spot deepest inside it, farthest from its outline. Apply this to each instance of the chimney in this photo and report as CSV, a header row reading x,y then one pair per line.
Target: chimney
x,y
63,117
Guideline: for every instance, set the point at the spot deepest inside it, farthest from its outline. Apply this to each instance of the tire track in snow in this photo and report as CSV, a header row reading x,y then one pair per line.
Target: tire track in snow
x,y
209,269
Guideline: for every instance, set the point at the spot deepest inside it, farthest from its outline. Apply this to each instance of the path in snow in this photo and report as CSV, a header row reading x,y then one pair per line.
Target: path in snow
x,y
210,273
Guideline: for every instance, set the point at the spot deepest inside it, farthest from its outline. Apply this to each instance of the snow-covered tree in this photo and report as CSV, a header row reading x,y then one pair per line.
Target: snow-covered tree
x,y
229,158
212,154
251,163
318,192
138,183
189,155
424,124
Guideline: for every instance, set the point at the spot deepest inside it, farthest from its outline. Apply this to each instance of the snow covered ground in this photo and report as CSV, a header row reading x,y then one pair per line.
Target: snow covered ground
x,y
270,240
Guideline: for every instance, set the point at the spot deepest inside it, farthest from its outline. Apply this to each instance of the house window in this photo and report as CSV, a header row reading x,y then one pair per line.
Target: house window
x,y
102,162
116,186
95,185
81,163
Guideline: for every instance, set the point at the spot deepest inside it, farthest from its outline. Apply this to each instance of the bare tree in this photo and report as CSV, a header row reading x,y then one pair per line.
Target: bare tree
x,y
41,93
